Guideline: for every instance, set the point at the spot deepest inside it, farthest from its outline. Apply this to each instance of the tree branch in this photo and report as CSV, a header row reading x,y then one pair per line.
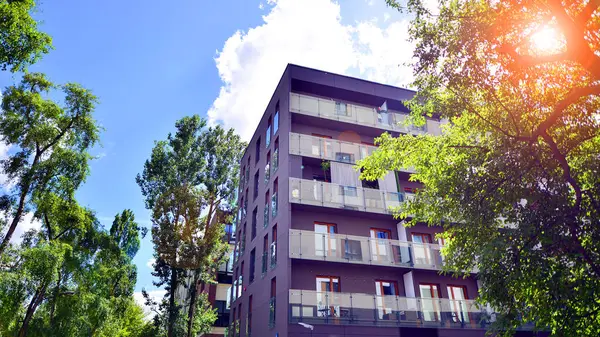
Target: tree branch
x,y
562,160
586,14
574,95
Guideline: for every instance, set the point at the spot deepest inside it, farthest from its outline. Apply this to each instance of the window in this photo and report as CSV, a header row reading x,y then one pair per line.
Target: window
x,y
266,212
325,243
326,284
257,152
242,178
341,109
274,247
265,255
430,294
276,118
268,133
374,184
254,216
380,244
243,239
234,322
275,160
385,304
349,191
274,198
421,250
256,184
272,302
458,305
268,168
352,250
344,157
249,318
252,264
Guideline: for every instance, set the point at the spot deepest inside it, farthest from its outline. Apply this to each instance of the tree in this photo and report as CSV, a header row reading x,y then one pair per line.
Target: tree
x,y
52,141
514,177
21,43
189,178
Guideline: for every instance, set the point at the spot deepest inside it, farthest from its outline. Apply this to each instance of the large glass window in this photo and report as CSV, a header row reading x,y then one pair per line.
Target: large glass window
x,y
268,134
276,118
421,248
252,264
430,294
327,302
325,244
458,304
386,292
380,244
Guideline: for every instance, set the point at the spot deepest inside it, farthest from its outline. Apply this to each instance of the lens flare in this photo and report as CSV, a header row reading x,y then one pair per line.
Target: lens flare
x,y
547,40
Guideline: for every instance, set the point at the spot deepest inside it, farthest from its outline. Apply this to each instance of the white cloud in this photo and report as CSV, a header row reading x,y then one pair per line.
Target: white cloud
x,y
309,33
27,223
5,183
150,263
251,63
156,295
386,16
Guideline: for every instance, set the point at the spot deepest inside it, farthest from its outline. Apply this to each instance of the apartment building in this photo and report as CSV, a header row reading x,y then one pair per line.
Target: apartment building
x,y
318,252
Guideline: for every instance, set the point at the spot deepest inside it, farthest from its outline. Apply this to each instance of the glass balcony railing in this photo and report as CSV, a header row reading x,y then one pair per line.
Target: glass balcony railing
x,y
310,192
358,114
363,309
328,149
363,250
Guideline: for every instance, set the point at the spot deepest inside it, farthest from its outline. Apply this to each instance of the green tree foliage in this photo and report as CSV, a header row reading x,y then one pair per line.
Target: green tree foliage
x,y
72,278
189,179
515,176
21,43
52,142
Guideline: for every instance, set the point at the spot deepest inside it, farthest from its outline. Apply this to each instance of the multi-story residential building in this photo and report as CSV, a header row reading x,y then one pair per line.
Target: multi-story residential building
x,y
317,247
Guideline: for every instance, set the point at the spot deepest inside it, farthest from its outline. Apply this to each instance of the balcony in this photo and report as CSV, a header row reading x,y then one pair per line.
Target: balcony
x,y
371,310
363,250
310,192
328,149
358,114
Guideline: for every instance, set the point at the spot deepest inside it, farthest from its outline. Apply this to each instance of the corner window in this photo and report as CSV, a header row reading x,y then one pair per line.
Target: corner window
x,y
276,119
268,133
257,152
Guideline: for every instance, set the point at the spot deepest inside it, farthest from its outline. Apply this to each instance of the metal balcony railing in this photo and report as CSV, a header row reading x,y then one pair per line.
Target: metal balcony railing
x,y
358,114
372,310
311,192
363,250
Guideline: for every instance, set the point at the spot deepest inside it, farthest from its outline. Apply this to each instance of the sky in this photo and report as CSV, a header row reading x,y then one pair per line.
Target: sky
x,y
153,62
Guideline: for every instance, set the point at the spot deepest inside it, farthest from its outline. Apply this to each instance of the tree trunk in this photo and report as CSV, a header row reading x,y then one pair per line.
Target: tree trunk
x,y
172,307
21,207
35,301
193,299
55,298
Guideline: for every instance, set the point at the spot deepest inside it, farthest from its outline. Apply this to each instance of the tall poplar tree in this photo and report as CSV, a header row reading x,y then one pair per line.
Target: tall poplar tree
x,y
189,178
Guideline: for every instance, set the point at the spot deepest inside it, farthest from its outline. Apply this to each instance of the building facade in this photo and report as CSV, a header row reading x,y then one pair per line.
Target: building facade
x,y
317,247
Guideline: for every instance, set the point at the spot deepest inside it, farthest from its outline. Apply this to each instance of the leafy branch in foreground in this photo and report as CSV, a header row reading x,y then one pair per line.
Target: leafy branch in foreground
x,y
514,178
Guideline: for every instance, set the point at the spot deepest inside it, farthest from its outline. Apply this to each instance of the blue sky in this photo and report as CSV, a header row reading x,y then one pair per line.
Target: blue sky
x,y
150,64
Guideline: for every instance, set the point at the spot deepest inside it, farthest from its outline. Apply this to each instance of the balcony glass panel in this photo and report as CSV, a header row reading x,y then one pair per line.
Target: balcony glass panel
x,y
358,114
316,307
362,250
312,192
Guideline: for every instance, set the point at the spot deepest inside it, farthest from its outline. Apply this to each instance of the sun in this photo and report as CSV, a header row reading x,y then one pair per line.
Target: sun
x,y
546,40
